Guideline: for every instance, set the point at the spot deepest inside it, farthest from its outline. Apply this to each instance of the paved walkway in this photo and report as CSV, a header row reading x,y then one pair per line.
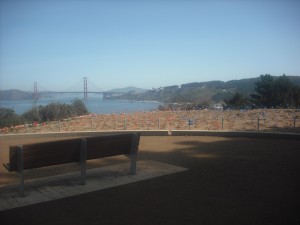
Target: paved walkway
x,y
66,185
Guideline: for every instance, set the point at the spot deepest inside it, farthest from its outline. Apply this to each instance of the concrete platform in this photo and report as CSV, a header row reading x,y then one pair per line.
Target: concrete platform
x,y
67,185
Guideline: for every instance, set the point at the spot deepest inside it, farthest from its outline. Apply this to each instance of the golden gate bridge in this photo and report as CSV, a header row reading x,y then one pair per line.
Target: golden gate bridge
x,y
106,94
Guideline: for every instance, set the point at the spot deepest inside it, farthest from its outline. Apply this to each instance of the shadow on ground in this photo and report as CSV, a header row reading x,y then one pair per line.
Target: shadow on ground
x,y
229,181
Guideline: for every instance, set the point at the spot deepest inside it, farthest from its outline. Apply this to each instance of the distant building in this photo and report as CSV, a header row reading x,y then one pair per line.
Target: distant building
x,y
217,106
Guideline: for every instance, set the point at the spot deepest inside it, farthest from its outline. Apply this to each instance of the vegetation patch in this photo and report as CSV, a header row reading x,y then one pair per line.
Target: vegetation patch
x,y
42,114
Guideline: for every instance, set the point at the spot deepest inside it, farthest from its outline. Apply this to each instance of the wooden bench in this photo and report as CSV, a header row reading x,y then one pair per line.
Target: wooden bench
x,y
78,150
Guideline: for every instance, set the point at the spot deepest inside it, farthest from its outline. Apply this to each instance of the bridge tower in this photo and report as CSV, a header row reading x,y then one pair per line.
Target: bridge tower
x,y
85,91
35,93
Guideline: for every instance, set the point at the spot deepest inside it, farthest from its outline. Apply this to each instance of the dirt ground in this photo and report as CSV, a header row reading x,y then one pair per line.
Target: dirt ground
x,y
229,181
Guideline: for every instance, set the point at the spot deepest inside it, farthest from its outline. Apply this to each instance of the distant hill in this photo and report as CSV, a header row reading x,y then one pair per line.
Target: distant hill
x,y
15,94
199,92
129,89
196,92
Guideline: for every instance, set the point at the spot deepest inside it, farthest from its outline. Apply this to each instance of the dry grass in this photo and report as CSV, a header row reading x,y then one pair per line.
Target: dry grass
x,y
231,120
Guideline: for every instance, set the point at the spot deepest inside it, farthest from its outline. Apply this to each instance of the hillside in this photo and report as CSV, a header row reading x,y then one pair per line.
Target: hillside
x,y
15,94
129,89
196,92
199,92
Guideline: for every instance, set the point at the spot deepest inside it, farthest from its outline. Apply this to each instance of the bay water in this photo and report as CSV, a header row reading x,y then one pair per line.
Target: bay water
x,y
94,104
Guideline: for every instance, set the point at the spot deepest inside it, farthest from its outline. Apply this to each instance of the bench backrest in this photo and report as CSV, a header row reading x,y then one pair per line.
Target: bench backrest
x,y
45,154
105,146
68,151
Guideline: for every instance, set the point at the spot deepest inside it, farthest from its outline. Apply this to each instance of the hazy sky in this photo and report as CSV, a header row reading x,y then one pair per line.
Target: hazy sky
x,y
145,43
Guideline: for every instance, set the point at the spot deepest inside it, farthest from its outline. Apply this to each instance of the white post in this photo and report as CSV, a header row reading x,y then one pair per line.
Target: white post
x,y
294,121
222,123
158,124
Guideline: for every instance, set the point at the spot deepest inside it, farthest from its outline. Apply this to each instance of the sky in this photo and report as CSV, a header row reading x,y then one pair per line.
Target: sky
x,y
146,44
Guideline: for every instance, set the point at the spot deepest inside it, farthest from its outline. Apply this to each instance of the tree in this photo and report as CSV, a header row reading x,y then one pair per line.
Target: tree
x,y
265,93
296,96
50,112
79,107
55,111
284,91
276,92
8,117
32,114
237,101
